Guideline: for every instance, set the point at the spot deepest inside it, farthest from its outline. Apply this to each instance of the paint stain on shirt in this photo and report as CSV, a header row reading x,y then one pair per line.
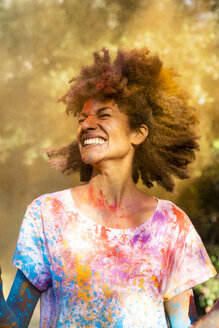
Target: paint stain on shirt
x,y
93,276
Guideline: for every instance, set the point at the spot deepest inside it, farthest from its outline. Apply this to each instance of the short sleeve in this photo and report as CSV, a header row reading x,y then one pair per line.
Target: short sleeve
x,y
31,254
191,264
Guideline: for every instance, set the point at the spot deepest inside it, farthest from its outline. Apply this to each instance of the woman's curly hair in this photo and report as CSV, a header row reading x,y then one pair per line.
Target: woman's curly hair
x,y
147,93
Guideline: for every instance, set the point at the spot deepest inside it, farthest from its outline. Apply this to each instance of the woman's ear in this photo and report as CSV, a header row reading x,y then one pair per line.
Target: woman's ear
x,y
139,135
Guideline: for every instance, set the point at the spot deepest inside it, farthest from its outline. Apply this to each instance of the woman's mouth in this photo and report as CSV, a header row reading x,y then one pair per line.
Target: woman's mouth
x,y
93,141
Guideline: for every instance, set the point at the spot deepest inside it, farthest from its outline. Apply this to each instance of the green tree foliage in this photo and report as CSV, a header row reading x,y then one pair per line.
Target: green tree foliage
x,y
201,201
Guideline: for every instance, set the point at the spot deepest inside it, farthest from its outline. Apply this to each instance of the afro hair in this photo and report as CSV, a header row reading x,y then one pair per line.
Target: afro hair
x,y
148,94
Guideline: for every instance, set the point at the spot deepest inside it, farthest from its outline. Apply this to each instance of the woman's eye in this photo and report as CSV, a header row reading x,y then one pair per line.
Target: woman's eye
x,y
104,115
100,116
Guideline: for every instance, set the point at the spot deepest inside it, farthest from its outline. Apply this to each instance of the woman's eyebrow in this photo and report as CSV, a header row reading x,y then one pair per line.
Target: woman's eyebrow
x,y
103,108
98,111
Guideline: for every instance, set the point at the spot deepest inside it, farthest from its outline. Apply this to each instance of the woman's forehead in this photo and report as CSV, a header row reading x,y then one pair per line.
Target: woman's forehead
x,y
93,104
89,103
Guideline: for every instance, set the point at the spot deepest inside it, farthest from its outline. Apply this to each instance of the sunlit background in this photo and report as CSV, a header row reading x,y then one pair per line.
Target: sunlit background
x,y
43,45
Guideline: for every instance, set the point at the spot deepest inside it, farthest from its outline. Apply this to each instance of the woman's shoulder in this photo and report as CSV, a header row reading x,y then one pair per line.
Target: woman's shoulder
x,y
53,198
169,206
173,211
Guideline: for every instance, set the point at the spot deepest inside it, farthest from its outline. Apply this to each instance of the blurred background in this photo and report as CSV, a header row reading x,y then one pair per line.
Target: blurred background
x,y
43,45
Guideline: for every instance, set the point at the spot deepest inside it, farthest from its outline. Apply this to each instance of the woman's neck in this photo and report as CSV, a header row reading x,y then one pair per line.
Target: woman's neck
x,y
111,189
111,196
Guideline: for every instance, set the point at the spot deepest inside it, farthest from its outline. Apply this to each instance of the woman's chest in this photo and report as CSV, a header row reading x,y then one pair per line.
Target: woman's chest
x,y
96,258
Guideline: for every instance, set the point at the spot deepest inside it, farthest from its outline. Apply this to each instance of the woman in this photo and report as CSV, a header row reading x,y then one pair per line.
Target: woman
x,y
105,254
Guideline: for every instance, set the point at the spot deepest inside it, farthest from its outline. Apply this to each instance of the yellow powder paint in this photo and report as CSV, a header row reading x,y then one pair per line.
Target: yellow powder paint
x,y
53,322
83,293
141,284
97,276
155,281
90,317
83,275
170,84
106,289
83,272
23,288
110,317
65,243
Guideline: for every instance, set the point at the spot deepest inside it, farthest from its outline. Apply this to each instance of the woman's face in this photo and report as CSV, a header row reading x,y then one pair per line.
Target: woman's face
x,y
103,132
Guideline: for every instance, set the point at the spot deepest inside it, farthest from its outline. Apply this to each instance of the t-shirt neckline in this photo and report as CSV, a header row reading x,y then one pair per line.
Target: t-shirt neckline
x,y
118,230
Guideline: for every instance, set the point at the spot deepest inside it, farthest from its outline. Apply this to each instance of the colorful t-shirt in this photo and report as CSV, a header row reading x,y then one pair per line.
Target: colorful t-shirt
x,y
93,276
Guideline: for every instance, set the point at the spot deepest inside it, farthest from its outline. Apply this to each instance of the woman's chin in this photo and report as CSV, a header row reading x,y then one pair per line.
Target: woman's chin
x,y
92,154
92,160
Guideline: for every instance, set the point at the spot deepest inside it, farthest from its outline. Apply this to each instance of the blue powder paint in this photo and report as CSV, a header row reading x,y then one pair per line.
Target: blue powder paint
x,y
50,256
36,215
35,239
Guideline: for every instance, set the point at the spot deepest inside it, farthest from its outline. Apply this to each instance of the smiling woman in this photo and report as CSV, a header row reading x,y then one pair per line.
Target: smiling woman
x,y
100,129
106,254
147,93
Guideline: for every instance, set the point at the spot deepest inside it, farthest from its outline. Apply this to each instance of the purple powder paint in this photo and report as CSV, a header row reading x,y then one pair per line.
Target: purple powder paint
x,y
142,237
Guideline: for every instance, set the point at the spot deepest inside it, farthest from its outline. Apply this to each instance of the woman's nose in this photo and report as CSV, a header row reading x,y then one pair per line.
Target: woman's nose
x,y
89,123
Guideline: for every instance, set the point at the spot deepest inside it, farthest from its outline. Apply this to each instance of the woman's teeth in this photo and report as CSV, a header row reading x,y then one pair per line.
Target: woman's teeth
x,y
93,141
